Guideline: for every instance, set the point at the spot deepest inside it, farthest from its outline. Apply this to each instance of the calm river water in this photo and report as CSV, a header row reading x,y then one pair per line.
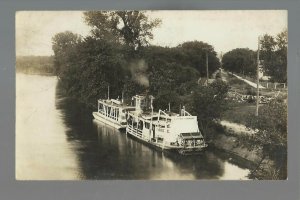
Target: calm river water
x,y
57,139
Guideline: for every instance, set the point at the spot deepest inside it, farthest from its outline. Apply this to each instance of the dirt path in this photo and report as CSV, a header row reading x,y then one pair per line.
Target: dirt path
x,y
224,75
249,82
236,128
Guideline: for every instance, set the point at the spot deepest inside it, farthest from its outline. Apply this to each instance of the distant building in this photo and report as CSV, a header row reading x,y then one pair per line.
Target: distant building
x,y
203,81
261,75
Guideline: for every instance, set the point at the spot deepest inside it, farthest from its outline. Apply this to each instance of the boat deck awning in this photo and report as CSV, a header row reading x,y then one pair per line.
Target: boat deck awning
x,y
191,135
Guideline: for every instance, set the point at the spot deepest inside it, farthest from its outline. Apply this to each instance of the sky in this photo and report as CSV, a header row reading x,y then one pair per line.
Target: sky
x,y
223,29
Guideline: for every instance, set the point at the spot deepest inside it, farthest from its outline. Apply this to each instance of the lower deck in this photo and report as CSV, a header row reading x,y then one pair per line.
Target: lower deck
x,y
109,121
187,146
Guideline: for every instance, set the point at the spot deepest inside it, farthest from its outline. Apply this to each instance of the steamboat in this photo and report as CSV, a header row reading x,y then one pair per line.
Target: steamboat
x,y
113,112
164,129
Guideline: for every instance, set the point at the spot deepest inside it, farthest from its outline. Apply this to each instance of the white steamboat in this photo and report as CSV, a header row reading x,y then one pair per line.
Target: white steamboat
x,y
112,112
164,129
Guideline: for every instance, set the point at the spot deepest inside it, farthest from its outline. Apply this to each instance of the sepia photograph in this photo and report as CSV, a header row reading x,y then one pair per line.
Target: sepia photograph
x,y
151,95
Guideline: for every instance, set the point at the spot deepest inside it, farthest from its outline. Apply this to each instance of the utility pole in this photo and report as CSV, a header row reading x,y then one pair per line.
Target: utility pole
x,y
206,56
221,57
257,87
206,67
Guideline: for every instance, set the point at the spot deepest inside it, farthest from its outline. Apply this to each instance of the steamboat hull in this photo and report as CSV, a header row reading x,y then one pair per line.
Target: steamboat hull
x,y
162,147
108,121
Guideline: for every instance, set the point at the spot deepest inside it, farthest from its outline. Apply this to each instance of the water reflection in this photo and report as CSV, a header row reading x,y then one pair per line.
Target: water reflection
x,y
74,146
42,149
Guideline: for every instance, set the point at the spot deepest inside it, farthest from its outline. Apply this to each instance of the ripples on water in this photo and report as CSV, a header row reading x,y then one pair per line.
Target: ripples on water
x,y
57,139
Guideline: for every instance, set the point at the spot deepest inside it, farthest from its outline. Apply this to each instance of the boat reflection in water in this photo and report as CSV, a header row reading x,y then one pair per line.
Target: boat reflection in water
x,y
126,158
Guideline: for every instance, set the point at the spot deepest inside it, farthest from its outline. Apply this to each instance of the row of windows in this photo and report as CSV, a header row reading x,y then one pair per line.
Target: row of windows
x,y
140,125
109,112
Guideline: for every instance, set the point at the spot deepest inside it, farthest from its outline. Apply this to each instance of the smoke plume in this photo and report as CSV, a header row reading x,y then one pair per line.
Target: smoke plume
x,y
138,69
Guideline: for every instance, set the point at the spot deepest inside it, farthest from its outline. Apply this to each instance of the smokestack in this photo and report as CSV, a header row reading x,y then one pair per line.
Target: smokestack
x,y
108,92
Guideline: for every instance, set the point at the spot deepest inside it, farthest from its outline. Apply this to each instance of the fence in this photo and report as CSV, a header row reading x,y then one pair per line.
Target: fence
x,y
271,85
235,96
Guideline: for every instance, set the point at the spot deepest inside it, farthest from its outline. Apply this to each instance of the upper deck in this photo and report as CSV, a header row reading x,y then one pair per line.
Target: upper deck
x,y
115,103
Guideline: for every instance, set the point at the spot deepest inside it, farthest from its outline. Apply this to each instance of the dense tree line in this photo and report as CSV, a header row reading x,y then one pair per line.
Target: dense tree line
x,y
273,58
271,138
241,61
117,54
208,103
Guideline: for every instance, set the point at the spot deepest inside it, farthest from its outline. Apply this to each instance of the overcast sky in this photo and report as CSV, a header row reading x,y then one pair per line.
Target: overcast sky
x,y
225,30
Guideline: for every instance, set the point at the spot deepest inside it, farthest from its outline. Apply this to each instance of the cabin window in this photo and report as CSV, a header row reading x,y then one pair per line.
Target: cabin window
x,y
117,114
154,118
134,124
108,111
112,113
129,120
147,125
104,110
140,125
101,107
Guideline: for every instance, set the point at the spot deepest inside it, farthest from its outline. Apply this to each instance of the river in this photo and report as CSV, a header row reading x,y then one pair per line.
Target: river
x,y
57,139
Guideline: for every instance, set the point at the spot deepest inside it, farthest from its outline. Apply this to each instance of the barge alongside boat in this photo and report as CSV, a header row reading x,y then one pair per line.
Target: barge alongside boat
x,y
164,129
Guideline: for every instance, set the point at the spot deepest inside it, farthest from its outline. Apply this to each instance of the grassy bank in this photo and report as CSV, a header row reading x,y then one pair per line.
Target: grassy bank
x,y
226,142
239,112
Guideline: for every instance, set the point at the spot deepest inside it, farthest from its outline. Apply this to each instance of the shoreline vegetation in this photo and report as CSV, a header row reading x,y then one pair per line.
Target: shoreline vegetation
x,y
117,53
39,65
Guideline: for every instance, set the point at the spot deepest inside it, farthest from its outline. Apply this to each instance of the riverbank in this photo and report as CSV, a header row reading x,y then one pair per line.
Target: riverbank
x,y
227,141
229,144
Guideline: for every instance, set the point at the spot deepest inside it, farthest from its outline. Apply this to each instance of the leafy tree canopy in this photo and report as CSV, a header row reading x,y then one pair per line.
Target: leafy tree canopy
x,y
240,60
194,55
209,102
64,47
273,54
133,28
271,138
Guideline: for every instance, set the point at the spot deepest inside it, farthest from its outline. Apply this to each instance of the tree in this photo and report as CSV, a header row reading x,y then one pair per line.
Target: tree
x,y
273,53
99,64
208,103
240,60
133,28
194,55
86,67
164,98
271,138
64,47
